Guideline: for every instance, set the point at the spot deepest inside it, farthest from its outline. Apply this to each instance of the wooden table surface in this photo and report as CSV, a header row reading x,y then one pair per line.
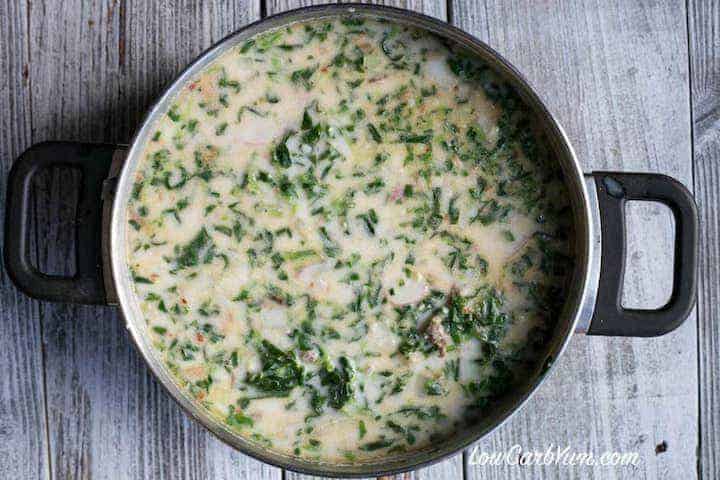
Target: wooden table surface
x,y
635,84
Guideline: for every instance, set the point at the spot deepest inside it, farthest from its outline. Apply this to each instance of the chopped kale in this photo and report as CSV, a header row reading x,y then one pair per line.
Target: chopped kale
x,y
339,382
374,133
200,250
376,445
280,371
281,154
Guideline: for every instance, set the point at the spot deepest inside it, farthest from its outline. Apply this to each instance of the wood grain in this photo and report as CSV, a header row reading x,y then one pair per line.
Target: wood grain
x,y
93,74
615,73
23,434
704,23
434,8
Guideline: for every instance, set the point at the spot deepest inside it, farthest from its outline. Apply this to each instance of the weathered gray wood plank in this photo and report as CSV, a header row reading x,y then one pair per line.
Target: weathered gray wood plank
x,y
435,8
451,468
616,75
23,432
95,67
704,22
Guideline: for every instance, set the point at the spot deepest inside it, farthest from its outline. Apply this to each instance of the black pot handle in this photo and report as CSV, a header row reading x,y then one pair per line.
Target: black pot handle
x,y
613,190
86,286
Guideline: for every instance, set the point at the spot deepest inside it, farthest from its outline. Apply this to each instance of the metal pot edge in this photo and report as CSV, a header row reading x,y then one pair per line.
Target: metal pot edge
x,y
585,211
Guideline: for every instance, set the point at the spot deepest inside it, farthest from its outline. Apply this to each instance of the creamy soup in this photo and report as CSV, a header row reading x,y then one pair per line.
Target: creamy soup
x,y
347,239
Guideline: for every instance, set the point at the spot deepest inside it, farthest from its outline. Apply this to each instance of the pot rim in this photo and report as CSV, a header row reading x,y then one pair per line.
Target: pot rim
x,y
556,135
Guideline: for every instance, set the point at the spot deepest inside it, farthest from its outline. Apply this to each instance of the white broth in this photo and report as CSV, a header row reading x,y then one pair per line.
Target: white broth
x,y
346,239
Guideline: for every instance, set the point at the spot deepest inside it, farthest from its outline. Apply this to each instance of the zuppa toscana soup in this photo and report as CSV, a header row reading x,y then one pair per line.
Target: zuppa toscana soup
x,y
346,239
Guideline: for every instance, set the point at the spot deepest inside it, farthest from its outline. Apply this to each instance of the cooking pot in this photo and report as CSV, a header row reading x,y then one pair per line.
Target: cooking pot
x,y
593,304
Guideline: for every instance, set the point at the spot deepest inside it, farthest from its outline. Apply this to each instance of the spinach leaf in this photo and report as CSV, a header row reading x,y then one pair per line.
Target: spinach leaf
x,y
280,371
200,249
281,154
376,445
238,420
374,133
339,381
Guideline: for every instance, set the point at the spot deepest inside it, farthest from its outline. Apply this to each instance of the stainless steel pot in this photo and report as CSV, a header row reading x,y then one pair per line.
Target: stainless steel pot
x,y
597,199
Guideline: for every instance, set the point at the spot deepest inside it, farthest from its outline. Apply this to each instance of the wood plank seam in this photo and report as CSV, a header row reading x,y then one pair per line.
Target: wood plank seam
x,y
41,306
704,41
698,459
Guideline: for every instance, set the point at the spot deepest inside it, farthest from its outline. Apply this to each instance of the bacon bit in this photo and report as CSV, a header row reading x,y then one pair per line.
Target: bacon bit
x,y
195,372
206,85
199,337
193,85
183,300
209,154
324,69
309,356
364,46
154,277
437,335
397,193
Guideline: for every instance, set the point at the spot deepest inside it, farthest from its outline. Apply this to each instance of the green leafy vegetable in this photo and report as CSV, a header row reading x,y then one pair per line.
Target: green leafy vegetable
x,y
339,382
280,371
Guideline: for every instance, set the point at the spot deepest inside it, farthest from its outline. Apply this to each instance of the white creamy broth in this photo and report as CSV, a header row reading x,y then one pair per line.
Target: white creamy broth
x,y
347,240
